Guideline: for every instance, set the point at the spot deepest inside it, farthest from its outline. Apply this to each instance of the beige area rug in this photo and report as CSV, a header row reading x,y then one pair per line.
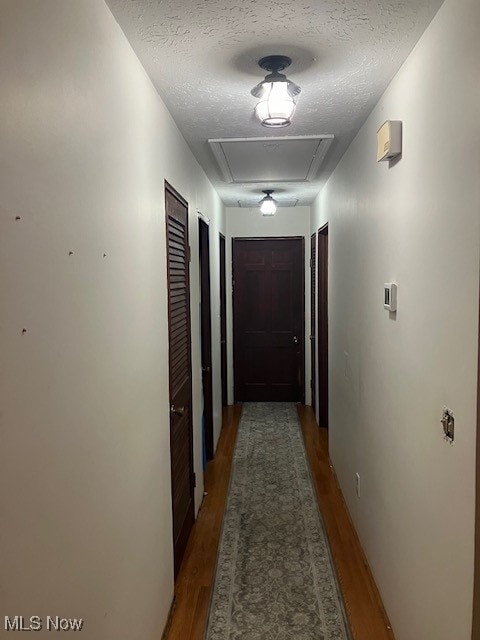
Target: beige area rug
x,y
274,579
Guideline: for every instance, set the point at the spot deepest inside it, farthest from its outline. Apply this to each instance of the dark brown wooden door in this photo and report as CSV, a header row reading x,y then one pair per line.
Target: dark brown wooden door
x,y
206,331
180,368
269,319
313,316
223,321
323,327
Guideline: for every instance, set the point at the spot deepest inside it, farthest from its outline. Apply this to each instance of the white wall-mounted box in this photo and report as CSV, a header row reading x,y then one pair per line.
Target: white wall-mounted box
x,y
390,296
389,140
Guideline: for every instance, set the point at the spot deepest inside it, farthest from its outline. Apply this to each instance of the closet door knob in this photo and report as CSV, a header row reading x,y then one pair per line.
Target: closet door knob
x,y
177,411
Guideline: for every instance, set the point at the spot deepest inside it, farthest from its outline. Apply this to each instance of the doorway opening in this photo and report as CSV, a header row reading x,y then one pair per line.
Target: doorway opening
x,y
322,354
269,319
206,339
180,370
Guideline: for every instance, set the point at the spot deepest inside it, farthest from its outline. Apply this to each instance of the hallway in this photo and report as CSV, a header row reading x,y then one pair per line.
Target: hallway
x,y
205,204
365,611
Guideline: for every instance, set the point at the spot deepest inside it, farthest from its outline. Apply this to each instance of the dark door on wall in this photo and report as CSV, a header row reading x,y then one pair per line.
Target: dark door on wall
x,y
313,316
206,330
180,369
323,327
223,321
269,319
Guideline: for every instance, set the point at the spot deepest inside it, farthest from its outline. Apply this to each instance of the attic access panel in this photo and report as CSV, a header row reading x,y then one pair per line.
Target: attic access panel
x,y
272,159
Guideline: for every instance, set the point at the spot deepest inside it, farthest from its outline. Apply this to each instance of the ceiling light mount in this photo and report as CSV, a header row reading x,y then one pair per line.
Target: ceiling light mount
x,y
268,206
276,93
275,63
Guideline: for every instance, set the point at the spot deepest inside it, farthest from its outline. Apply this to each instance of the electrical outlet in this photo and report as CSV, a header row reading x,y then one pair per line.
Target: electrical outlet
x,y
357,477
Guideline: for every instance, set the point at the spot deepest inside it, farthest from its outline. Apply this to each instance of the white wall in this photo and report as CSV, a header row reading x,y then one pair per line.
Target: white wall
x,y
85,146
416,223
249,223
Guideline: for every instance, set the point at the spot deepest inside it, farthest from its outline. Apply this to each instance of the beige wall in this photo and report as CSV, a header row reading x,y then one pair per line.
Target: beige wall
x,y
416,223
249,223
85,147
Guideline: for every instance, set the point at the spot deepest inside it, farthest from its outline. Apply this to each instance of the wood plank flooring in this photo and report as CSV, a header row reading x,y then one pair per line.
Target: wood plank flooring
x,y
365,611
367,617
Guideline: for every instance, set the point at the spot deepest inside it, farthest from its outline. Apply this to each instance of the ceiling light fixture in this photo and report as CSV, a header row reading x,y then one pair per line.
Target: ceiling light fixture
x,y
268,206
276,93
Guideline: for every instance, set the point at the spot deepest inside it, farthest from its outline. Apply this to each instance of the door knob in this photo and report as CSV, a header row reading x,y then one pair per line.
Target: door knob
x,y
295,340
177,411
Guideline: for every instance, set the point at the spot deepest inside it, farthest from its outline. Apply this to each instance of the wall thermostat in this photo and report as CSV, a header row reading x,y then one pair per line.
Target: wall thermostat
x,y
389,140
390,296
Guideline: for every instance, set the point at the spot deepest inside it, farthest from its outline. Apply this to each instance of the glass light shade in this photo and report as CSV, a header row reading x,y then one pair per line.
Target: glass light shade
x,y
268,206
276,106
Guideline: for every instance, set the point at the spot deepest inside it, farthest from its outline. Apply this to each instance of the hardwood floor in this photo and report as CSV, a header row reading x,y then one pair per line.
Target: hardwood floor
x,y
192,588
367,617
365,611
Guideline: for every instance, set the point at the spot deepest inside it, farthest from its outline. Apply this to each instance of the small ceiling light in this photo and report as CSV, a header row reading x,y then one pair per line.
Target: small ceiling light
x,y
268,206
276,93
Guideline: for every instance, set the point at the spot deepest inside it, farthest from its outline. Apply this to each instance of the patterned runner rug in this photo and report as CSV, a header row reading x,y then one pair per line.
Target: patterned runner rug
x,y
274,578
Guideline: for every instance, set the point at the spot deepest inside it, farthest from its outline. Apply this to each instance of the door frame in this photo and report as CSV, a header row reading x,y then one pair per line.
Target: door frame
x,y
223,318
191,515
272,238
313,318
206,335
476,583
322,339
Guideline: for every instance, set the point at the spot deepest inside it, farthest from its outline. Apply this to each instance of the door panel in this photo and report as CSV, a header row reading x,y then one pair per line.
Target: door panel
x,y
180,370
269,319
206,324
223,321
313,317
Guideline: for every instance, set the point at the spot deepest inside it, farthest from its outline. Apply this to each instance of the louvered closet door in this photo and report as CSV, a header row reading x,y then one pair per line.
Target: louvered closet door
x,y
181,438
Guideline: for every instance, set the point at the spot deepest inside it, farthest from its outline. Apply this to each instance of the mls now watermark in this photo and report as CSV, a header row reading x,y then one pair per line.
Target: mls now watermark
x,y
36,623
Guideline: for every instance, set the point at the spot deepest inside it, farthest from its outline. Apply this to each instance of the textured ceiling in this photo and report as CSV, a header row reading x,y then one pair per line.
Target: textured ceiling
x,y
202,57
